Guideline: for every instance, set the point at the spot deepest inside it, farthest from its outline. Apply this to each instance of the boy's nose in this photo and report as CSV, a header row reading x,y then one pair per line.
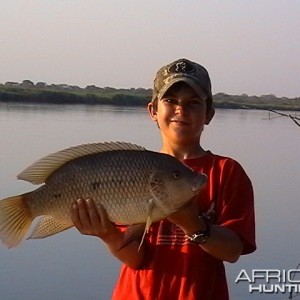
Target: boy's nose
x,y
180,108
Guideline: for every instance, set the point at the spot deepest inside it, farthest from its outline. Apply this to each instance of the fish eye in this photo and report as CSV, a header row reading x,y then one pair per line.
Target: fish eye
x,y
176,174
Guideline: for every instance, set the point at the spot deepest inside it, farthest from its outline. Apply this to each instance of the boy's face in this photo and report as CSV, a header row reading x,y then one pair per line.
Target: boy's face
x,y
181,114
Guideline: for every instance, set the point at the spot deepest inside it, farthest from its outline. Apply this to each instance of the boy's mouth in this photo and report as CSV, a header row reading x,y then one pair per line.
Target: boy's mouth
x,y
180,121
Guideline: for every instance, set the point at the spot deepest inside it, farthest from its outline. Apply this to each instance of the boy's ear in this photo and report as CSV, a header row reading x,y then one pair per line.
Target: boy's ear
x,y
152,110
209,115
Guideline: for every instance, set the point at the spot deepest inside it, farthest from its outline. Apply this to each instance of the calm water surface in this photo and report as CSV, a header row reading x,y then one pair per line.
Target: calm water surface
x,y
70,266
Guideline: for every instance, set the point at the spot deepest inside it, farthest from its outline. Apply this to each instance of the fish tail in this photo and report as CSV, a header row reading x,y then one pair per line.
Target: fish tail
x,y
15,220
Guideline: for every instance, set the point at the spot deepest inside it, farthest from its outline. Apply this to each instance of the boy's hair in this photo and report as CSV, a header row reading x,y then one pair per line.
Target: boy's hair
x,y
182,70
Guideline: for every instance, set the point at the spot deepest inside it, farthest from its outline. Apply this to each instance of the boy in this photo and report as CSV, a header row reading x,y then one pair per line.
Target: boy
x,y
182,257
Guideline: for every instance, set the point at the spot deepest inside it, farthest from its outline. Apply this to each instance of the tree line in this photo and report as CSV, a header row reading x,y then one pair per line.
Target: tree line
x,y
39,93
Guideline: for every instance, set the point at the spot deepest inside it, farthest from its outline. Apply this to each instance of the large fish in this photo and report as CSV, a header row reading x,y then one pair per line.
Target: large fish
x,y
133,184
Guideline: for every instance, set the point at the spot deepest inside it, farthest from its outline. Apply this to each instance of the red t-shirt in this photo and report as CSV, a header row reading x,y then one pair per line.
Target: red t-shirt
x,y
174,268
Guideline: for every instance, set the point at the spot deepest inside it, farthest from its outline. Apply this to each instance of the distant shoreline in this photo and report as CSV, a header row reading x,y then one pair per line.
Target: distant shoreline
x,y
40,93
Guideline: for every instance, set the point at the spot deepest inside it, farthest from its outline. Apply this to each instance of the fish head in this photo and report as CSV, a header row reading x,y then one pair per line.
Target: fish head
x,y
174,184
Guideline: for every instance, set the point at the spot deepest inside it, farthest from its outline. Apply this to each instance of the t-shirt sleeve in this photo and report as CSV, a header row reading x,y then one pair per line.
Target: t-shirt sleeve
x,y
237,203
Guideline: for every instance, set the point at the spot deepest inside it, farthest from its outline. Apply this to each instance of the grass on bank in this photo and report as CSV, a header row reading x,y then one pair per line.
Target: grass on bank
x,y
91,95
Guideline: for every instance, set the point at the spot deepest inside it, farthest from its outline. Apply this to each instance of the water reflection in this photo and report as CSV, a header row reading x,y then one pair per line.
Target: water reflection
x,y
60,265
50,108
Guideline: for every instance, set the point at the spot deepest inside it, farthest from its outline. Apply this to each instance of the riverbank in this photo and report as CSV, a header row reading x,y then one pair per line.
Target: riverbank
x,y
27,92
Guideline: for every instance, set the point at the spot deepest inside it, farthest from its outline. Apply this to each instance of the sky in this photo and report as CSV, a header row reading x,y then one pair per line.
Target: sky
x,y
248,47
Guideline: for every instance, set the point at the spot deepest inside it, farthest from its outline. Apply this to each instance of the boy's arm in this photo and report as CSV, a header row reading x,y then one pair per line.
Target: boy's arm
x,y
223,242
90,220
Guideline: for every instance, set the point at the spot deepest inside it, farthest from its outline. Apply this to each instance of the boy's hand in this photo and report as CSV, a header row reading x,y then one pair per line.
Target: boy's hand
x,y
187,218
91,220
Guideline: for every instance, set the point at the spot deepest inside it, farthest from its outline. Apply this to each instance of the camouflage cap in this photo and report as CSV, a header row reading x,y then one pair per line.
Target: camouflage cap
x,y
184,70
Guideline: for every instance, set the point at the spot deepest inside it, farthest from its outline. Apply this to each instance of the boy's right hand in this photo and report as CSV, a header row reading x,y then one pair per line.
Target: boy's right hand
x,y
92,220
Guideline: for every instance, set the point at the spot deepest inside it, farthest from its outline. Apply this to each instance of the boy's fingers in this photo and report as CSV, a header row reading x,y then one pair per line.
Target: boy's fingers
x,y
103,216
83,212
94,215
90,219
75,216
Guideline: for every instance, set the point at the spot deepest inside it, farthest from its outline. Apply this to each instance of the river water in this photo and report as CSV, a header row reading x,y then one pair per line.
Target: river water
x,y
71,266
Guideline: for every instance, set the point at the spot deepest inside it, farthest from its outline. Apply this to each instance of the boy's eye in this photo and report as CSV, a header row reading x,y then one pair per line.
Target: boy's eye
x,y
170,101
190,102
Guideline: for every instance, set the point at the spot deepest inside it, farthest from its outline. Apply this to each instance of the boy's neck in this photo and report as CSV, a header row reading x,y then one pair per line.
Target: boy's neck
x,y
182,152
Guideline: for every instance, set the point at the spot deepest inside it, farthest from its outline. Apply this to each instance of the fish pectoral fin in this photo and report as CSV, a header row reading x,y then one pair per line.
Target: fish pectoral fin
x,y
134,232
148,221
148,224
48,226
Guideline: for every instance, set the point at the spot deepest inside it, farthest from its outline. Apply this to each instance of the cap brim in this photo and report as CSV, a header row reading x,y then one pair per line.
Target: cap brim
x,y
195,86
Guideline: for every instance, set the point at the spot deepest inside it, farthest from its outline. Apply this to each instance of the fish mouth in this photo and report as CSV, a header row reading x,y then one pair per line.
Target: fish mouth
x,y
199,182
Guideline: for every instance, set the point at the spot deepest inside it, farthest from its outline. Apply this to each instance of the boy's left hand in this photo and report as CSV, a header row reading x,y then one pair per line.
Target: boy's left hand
x,y
187,218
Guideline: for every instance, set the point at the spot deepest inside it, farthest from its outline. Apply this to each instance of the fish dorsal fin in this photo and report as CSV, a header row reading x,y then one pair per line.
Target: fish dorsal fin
x,y
39,171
